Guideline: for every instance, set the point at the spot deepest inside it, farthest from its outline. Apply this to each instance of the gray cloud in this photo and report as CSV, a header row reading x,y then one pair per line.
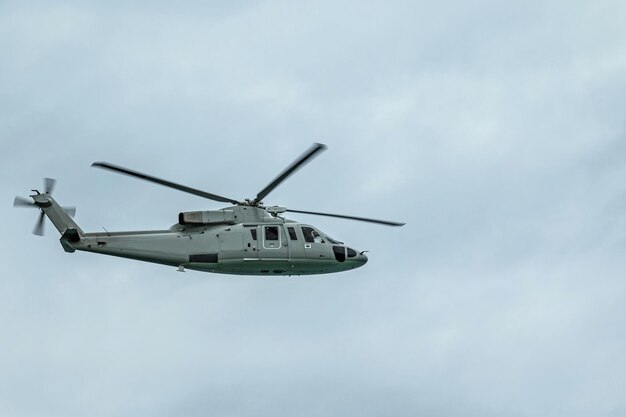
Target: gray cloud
x,y
495,130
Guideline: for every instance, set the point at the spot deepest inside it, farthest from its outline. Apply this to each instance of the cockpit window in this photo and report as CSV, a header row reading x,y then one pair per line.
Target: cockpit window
x,y
253,233
292,233
351,253
311,235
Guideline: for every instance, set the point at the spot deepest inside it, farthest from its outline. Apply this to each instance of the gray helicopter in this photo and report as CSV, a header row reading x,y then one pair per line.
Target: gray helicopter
x,y
246,238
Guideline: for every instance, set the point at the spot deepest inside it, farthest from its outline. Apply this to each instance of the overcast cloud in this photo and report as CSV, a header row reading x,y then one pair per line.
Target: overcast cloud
x,y
494,129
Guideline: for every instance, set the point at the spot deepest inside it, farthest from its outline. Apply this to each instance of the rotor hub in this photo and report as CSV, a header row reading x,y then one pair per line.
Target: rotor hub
x,y
41,200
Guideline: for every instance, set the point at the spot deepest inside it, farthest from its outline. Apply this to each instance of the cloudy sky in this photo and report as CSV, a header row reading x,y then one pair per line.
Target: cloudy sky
x,y
496,130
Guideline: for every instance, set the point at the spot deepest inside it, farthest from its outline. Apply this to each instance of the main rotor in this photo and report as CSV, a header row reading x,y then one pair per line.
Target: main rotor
x,y
257,201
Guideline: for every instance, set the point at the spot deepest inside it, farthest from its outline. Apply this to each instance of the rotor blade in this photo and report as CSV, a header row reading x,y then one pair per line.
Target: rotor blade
x,y
49,184
71,211
306,157
22,202
341,216
156,180
38,230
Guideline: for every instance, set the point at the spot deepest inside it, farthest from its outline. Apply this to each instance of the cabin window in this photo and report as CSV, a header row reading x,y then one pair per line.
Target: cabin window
x,y
292,233
311,235
271,232
253,233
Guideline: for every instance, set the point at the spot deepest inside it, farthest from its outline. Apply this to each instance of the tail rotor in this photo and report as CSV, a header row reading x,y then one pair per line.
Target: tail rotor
x,y
40,201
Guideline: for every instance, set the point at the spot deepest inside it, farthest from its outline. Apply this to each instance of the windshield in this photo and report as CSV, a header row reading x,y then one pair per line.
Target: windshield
x,y
310,234
331,240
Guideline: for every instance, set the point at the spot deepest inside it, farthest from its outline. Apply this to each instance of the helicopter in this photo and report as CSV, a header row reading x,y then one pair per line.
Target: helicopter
x,y
245,238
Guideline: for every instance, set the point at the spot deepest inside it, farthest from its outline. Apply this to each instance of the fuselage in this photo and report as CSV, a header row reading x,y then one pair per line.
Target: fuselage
x,y
258,245
261,249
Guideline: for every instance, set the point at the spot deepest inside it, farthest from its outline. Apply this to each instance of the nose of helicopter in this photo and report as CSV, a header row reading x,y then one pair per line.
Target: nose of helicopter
x,y
361,258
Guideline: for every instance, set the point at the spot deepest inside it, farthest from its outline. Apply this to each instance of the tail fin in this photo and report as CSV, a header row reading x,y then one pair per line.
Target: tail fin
x,y
70,231
59,217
